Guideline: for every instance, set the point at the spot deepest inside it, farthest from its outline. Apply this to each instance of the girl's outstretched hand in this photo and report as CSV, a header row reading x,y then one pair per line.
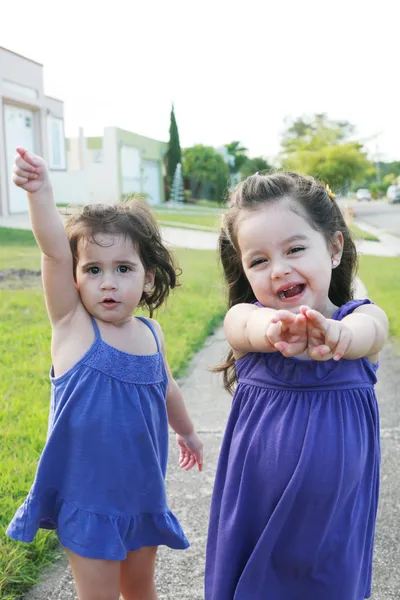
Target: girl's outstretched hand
x,y
191,451
327,338
287,332
30,171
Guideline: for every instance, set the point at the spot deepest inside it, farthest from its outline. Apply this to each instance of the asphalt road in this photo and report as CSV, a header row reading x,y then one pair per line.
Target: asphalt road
x,y
378,213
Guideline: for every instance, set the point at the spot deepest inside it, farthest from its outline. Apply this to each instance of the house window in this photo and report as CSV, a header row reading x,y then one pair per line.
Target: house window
x,y
56,143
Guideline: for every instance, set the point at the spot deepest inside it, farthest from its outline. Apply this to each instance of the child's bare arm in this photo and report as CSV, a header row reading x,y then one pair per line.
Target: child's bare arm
x,y
369,327
191,447
361,334
31,174
250,328
245,327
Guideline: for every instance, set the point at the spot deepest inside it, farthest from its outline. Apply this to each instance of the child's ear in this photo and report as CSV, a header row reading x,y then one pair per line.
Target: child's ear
x,y
337,249
149,280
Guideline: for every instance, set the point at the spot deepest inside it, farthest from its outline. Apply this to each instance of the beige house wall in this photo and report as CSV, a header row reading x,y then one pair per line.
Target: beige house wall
x,y
21,84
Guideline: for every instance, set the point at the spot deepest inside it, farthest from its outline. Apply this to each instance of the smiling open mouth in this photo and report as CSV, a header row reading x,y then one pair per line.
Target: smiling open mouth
x,y
292,291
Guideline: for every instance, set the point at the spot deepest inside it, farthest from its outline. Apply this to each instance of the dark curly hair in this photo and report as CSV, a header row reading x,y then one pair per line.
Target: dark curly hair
x,y
323,214
133,220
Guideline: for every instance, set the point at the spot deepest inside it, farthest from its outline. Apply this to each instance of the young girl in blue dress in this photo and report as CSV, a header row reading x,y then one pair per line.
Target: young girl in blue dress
x,y
296,491
101,477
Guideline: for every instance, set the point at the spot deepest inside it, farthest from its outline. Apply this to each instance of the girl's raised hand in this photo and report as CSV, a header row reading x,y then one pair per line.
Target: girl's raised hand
x,y
191,451
327,338
287,332
30,171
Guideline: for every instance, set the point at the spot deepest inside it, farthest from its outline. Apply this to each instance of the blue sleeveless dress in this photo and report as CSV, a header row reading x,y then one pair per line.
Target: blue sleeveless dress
x,y
296,491
101,477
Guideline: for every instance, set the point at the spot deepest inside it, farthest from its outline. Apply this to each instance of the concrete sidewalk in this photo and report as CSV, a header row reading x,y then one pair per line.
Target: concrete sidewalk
x,y
388,245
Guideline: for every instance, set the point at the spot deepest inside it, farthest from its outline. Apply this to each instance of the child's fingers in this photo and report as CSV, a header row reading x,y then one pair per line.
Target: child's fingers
x,y
282,347
288,350
342,346
321,352
29,158
303,309
192,461
332,337
23,173
198,454
200,460
19,180
316,318
273,332
285,316
184,459
21,163
300,319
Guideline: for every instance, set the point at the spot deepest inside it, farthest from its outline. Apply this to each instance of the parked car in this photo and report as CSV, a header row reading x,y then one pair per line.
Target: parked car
x,y
363,194
393,194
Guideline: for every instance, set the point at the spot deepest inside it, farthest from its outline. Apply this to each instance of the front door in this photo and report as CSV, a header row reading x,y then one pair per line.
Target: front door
x,y
19,132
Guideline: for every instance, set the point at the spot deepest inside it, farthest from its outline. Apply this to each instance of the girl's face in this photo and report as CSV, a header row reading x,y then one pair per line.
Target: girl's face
x,y
286,261
111,278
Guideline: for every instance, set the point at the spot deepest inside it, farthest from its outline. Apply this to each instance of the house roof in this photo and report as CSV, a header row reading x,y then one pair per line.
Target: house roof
x,y
21,56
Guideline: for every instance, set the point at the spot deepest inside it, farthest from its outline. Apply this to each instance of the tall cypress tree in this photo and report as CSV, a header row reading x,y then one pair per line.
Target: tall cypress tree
x,y
174,155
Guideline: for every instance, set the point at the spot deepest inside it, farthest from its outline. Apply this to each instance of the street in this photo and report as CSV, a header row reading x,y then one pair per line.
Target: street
x,y
377,213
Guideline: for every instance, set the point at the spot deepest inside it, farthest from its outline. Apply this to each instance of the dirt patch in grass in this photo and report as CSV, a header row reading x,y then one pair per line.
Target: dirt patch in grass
x,y
18,279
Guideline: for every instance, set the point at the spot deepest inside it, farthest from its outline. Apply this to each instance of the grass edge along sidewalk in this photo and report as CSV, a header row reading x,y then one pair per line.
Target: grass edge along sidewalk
x,y
191,314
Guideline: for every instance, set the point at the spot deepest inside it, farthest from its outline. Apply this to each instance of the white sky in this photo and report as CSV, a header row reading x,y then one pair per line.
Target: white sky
x,y
234,70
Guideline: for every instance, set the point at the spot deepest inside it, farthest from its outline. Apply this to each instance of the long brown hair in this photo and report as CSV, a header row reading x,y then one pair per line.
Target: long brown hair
x,y
322,213
133,220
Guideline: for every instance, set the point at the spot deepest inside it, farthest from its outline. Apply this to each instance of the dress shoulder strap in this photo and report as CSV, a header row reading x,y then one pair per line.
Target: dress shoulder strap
x,y
96,328
349,307
151,327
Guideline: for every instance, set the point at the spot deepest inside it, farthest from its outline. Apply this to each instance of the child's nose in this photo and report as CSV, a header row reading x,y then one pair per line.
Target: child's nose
x,y
108,283
280,268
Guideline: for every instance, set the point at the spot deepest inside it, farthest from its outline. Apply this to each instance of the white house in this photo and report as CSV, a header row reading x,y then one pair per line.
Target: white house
x,y
27,118
118,162
82,170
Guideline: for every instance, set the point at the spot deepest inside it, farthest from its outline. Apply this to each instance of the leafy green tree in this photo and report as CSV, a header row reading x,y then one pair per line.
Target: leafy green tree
x,y
203,164
314,132
174,155
254,165
239,157
388,174
320,147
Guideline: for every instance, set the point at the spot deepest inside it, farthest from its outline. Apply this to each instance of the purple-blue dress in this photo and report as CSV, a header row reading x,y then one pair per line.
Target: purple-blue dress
x,y
101,477
296,492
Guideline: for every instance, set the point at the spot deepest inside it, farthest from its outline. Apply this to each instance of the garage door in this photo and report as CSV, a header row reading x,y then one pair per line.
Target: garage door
x,y
151,181
130,170
19,132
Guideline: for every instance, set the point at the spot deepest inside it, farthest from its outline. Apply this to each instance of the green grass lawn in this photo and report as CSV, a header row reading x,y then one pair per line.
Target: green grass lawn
x,y
381,278
191,314
360,234
207,221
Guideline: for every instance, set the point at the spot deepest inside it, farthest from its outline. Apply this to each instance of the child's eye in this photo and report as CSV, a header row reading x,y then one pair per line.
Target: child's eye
x,y
296,249
257,261
94,270
123,269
